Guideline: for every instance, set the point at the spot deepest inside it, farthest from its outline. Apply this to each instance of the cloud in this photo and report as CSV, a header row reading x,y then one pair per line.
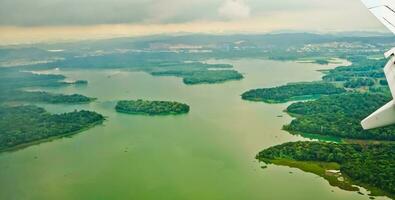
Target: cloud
x,y
95,12
284,14
234,9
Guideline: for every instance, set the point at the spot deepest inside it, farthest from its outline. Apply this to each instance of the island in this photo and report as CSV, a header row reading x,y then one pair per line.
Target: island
x,y
77,82
192,77
290,92
81,82
45,97
212,76
343,165
151,107
21,126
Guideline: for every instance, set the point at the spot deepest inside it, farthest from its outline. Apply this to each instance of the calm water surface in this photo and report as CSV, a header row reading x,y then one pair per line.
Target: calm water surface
x,y
206,154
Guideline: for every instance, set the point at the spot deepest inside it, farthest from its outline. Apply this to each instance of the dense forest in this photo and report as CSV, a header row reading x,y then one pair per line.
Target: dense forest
x,y
45,97
371,164
361,68
191,77
21,125
80,82
212,76
359,82
291,92
363,72
339,115
151,107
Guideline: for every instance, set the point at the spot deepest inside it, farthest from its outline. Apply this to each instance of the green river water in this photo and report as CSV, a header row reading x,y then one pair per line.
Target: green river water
x,y
206,154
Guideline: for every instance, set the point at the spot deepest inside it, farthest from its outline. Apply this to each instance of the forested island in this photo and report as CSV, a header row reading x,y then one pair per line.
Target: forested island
x,y
80,82
369,165
295,91
212,76
191,77
45,97
24,125
151,107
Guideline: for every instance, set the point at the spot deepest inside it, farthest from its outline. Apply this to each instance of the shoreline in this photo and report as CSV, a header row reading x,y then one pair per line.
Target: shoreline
x,y
49,139
323,170
319,168
147,114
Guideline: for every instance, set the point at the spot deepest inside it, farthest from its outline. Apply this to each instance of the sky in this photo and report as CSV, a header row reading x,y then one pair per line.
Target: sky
x,y
23,21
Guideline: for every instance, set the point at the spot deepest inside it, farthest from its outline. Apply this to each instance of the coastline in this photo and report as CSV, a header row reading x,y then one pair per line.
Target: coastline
x,y
49,139
326,170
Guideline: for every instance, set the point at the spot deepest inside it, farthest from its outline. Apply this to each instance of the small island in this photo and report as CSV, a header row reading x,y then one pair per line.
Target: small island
x,y
151,107
81,82
290,92
21,126
193,77
76,83
212,76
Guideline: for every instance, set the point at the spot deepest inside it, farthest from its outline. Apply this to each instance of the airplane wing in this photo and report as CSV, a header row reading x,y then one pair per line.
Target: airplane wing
x,y
385,115
384,10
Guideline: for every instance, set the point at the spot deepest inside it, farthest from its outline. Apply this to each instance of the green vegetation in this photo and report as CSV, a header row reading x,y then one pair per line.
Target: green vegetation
x,y
291,92
192,77
24,125
11,79
322,61
316,60
13,82
192,72
151,107
44,97
383,82
359,82
361,67
212,76
327,170
370,165
339,115
362,73
81,82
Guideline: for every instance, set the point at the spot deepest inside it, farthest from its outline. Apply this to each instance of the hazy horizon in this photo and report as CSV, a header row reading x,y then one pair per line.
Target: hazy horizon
x,y
61,20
